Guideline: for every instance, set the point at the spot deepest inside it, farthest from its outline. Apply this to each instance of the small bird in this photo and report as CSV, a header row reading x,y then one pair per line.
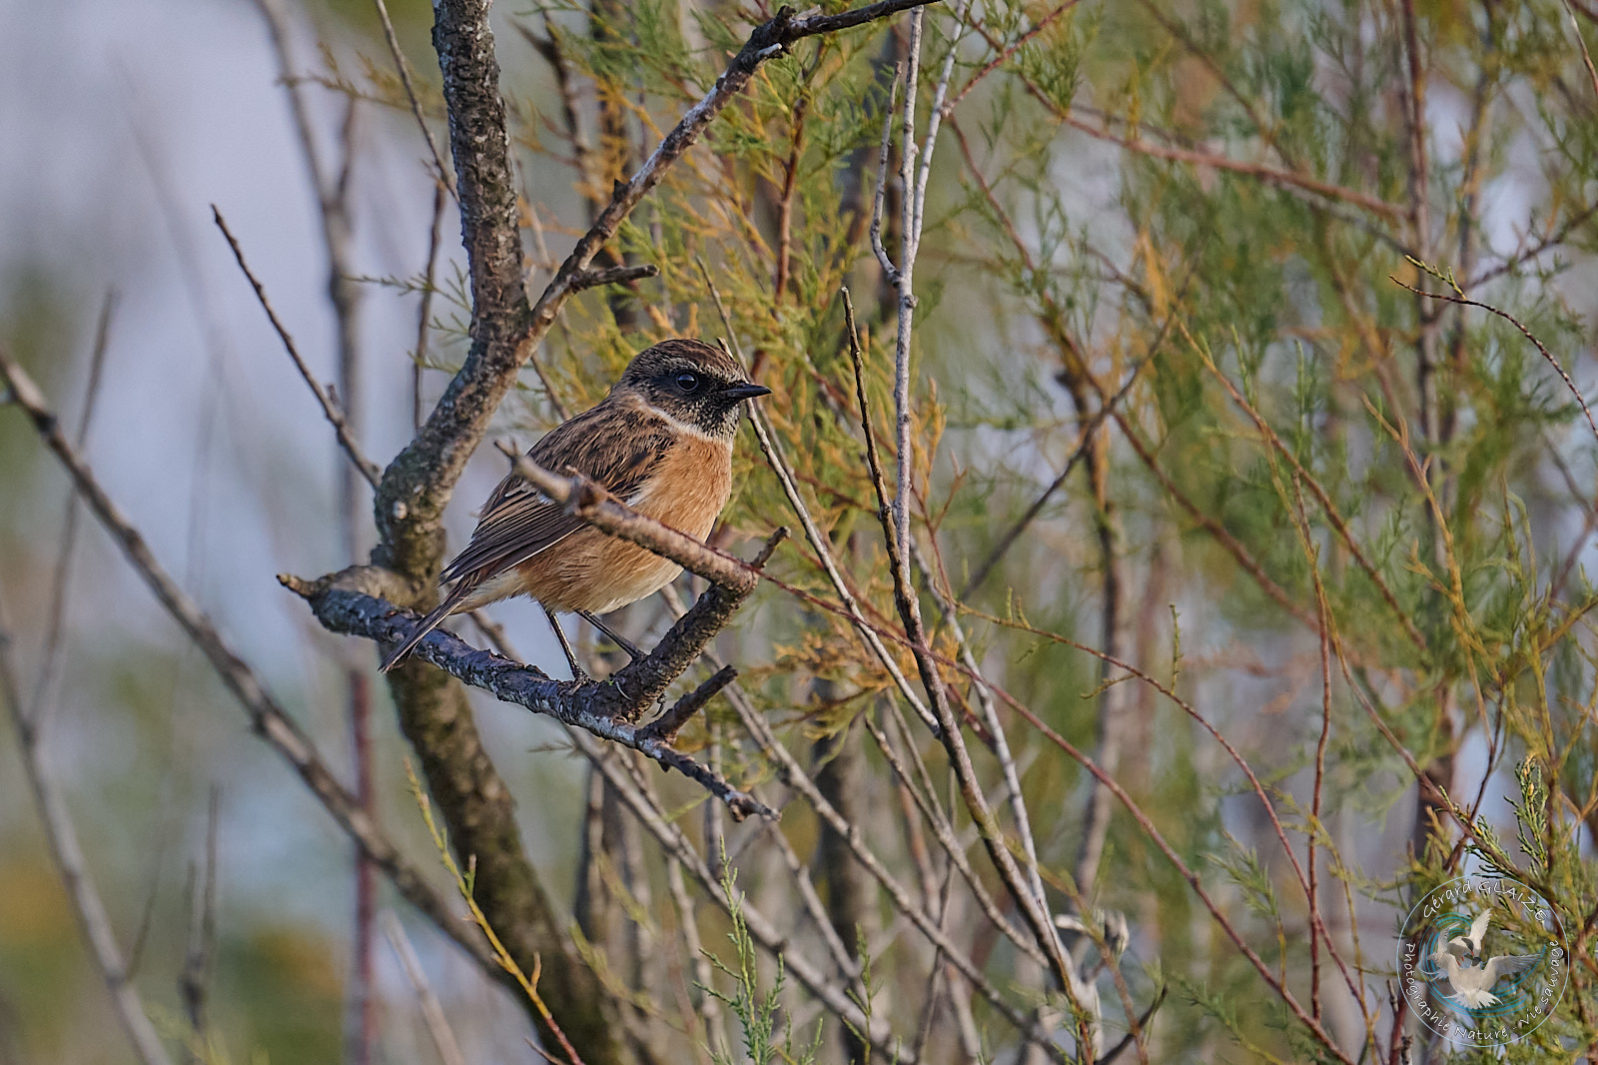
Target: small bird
x,y
1469,946
660,441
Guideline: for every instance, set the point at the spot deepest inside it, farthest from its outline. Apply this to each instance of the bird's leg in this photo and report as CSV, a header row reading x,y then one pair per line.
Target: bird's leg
x,y
625,645
571,658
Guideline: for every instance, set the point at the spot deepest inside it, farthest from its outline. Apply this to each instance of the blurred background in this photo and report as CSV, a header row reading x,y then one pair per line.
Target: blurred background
x,y
123,125
1054,258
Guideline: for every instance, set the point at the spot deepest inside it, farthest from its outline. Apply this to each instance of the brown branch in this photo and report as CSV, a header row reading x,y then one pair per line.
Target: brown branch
x,y
1004,53
1215,160
1552,239
667,725
1465,301
613,275
588,500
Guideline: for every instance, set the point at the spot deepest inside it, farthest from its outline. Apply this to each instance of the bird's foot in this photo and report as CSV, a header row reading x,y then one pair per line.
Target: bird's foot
x,y
626,645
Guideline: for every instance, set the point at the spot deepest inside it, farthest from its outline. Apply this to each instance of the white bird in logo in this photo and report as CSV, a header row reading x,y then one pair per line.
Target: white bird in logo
x,y
1473,984
1469,946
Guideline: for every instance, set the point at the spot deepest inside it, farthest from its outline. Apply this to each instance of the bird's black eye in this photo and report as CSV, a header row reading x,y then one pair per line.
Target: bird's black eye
x,y
687,382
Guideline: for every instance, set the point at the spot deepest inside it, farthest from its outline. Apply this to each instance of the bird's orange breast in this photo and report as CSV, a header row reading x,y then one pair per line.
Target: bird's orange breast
x,y
597,573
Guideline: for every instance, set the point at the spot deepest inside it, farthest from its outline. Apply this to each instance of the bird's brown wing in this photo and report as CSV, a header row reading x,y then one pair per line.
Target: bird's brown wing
x,y
616,446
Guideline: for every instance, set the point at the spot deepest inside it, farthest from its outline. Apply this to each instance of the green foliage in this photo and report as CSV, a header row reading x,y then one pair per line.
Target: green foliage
x,y
756,1013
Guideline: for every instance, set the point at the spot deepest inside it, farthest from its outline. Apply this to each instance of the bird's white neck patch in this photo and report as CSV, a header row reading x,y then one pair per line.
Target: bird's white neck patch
x,y
687,427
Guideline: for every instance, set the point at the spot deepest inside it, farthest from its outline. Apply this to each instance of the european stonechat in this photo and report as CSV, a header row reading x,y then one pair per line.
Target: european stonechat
x,y
660,441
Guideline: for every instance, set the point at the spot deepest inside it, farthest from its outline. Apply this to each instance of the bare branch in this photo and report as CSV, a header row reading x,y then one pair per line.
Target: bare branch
x,y
605,708
331,410
424,313
433,1015
404,70
1464,301
613,275
201,949
39,705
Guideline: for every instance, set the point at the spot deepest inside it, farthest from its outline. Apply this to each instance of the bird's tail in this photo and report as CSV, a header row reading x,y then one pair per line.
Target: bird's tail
x,y
425,626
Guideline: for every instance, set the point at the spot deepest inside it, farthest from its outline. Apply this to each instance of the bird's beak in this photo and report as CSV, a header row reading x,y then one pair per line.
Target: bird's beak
x,y
747,390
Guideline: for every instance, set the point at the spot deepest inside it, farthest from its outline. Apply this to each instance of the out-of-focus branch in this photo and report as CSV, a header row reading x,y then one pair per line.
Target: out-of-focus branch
x,y
39,705
404,70
67,853
331,184
266,715
194,979
433,1015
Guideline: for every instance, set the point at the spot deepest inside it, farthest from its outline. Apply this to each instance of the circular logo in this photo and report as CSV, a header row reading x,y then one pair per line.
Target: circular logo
x,y
1480,960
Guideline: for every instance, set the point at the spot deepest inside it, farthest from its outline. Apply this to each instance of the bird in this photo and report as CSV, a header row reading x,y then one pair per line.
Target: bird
x,y
1469,946
660,441
1472,984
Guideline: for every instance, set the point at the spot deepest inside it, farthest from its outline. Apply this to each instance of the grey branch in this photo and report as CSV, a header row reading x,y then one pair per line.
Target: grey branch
x,y
605,708
614,275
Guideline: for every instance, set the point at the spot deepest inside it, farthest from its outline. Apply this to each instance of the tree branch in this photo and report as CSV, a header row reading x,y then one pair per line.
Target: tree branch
x,y
605,708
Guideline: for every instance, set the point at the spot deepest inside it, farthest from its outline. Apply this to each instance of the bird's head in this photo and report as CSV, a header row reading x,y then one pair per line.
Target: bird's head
x,y
692,383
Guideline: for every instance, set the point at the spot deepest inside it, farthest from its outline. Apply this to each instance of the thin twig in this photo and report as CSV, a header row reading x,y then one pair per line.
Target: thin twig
x,y
38,706
851,605
435,234
613,275
1464,301
433,1015
404,69
1586,56
201,949
330,409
